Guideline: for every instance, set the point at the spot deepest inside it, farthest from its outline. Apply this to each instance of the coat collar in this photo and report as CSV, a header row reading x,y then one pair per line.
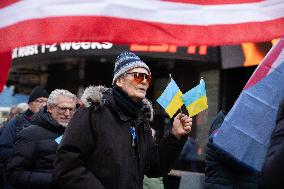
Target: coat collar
x,y
94,96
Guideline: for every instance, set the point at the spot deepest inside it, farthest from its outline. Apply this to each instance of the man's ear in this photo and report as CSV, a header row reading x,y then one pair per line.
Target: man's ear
x,y
119,82
48,109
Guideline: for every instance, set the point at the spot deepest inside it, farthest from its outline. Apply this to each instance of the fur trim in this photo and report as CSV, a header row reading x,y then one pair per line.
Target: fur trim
x,y
147,109
93,96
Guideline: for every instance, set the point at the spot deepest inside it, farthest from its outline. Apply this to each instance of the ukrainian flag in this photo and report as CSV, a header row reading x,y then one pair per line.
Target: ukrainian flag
x,y
195,99
170,99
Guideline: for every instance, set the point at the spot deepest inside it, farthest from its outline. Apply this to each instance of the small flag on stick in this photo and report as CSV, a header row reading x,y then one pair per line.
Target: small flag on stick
x,y
195,99
170,99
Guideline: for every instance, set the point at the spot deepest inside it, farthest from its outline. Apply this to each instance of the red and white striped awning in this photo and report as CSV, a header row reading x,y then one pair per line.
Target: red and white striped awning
x,y
176,22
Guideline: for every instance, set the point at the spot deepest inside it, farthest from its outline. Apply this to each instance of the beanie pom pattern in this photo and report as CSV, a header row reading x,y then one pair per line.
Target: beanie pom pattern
x,y
127,61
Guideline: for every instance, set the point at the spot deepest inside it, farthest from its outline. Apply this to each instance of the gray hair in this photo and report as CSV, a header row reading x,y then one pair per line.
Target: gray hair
x,y
52,99
22,106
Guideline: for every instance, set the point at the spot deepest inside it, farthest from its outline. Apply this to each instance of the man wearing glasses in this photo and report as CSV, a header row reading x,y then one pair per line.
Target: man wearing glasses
x,y
32,162
108,143
37,100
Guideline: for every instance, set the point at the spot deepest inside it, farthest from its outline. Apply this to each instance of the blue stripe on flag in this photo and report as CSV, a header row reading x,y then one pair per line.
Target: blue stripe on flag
x,y
166,97
194,94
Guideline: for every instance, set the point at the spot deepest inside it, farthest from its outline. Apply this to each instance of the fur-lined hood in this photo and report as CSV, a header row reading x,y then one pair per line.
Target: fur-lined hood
x,y
93,96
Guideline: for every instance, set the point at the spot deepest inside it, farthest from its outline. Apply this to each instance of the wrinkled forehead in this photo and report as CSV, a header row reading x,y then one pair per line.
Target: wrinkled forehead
x,y
65,100
139,70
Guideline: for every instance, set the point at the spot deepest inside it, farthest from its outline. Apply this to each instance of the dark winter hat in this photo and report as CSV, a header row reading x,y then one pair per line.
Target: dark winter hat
x,y
127,61
38,92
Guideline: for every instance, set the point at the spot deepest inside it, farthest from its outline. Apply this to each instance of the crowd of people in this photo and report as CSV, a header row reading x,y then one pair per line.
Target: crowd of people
x,y
107,141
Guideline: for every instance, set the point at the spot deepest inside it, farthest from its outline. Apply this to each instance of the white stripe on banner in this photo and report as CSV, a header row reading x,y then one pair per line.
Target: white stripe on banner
x,y
29,22
145,10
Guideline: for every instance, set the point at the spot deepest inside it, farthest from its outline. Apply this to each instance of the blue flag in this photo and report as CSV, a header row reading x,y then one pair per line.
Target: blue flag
x,y
246,130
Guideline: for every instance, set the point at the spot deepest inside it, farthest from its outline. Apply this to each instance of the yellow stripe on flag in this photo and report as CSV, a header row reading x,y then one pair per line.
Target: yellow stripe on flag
x,y
175,104
197,106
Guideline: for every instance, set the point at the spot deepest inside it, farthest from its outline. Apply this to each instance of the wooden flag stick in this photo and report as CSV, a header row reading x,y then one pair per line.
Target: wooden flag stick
x,y
180,110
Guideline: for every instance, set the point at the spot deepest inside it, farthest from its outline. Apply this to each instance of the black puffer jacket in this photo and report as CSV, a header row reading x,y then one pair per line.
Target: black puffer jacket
x,y
32,163
96,151
221,171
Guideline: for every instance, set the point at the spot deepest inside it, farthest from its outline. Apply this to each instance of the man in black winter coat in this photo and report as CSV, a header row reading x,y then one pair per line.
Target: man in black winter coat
x,y
272,175
108,143
37,100
31,165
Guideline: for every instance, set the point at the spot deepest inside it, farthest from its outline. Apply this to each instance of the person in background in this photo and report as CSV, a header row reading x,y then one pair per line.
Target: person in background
x,y
272,174
15,110
13,113
223,172
31,165
108,143
37,100
188,156
19,108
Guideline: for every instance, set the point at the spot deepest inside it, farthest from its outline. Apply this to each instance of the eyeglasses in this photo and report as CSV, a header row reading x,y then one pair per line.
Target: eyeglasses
x,y
64,109
139,77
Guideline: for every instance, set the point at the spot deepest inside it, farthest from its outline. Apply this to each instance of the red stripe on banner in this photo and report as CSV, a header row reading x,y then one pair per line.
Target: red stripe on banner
x,y
124,31
265,66
215,2
5,66
4,3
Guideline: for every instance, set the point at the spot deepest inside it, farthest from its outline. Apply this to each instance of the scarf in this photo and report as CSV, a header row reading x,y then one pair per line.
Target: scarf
x,y
126,104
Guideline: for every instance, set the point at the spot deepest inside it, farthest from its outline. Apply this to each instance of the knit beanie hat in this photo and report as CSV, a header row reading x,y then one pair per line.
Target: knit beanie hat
x,y
38,92
127,61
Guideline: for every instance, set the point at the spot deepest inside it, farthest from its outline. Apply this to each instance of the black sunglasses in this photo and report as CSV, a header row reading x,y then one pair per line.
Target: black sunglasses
x,y
139,77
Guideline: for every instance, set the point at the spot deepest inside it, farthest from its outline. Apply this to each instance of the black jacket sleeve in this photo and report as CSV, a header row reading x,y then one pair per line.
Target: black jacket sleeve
x,y
76,145
161,157
20,169
217,155
221,170
272,173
